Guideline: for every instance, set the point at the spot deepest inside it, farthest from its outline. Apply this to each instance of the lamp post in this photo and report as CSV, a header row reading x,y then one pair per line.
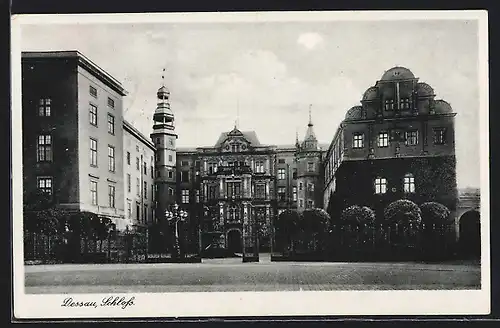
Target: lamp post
x,y
174,216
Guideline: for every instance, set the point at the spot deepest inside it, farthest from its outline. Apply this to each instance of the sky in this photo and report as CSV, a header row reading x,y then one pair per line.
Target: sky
x,y
265,75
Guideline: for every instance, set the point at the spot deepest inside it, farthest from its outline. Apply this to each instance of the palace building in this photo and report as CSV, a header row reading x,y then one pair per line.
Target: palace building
x,y
399,143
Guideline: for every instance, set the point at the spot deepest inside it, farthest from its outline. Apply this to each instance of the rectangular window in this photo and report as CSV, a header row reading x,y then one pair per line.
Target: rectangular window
x,y
44,184
170,158
111,124
310,204
151,169
233,189
411,138
93,152
137,164
405,103
44,148
111,103
260,191
128,158
111,194
138,186
358,140
170,191
294,193
184,176
145,190
439,136
310,167
170,174
145,169
145,214
259,167
129,182
301,202
310,187
300,186
383,139
129,209
294,174
281,174
281,161
93,114
44,107
281,193
389,104
138,212
136,148
380,185
185,196
93,192
197,196
409,183
93,91
111,159
184,163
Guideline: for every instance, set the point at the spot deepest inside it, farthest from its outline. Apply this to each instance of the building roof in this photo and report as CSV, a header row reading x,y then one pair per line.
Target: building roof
x,y
83,61
250,136
397,73
127,126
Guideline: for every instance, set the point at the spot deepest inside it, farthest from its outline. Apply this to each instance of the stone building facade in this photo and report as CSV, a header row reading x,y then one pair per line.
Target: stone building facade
x,y
398,144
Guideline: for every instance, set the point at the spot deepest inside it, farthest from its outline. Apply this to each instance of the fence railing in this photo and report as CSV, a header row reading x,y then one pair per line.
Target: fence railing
x,y
371,242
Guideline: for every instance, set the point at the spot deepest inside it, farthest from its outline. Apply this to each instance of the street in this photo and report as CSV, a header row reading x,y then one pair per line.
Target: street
x,y
232,275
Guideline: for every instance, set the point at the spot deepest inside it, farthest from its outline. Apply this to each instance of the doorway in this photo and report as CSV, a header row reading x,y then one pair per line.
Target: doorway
x,y
234,241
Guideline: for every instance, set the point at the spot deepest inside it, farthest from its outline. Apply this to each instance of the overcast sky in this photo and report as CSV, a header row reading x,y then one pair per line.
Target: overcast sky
x,y
273,71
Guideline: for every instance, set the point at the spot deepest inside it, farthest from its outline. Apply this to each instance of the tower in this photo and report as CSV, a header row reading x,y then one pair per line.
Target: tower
x,y
164,138
308,158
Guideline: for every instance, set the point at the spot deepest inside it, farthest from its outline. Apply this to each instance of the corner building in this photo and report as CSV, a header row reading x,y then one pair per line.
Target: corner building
x,y
398,144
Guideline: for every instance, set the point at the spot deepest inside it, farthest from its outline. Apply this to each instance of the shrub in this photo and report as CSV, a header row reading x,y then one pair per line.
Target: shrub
x,y
358,215
435,213
403,211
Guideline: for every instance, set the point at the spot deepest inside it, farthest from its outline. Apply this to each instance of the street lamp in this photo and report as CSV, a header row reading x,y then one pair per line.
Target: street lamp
x,y
175,215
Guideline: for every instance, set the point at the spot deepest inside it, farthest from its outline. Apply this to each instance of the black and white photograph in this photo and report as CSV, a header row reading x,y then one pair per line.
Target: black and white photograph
x,y
250,164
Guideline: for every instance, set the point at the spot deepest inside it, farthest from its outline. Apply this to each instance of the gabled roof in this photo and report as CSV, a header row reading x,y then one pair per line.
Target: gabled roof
x,y
250,136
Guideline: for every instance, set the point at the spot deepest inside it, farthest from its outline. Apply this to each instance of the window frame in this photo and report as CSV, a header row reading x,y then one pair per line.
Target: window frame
x,y
383,139
185,196
111,159
409,183
93,152
93,112
442,136
44,148
94,192
409,136
45,107
111,196
358,140
48,190
111,124
93,91
281,174
380,185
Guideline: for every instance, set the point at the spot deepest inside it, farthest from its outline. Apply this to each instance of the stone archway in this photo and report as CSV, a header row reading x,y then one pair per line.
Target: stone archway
x,y
234,241
470,234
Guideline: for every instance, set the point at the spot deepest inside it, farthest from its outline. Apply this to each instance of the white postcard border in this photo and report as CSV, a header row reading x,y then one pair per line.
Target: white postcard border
x,y
456,302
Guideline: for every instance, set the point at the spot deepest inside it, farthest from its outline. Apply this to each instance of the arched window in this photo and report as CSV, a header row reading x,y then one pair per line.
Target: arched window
x,y
409,183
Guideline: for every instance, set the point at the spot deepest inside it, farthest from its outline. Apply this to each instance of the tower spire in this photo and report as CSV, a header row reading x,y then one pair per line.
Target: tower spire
x,y
297,143
163,77
310,117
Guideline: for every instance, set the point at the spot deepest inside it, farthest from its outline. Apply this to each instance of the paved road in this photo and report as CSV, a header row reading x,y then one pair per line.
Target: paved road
x,y
232,275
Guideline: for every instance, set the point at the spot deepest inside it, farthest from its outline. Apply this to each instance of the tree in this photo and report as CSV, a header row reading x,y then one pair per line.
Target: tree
x,y
287,226
435,217
101,228
314,224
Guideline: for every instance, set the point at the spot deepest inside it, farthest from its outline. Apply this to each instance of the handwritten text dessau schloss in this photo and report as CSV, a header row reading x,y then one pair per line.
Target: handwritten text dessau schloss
x,y
111,301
